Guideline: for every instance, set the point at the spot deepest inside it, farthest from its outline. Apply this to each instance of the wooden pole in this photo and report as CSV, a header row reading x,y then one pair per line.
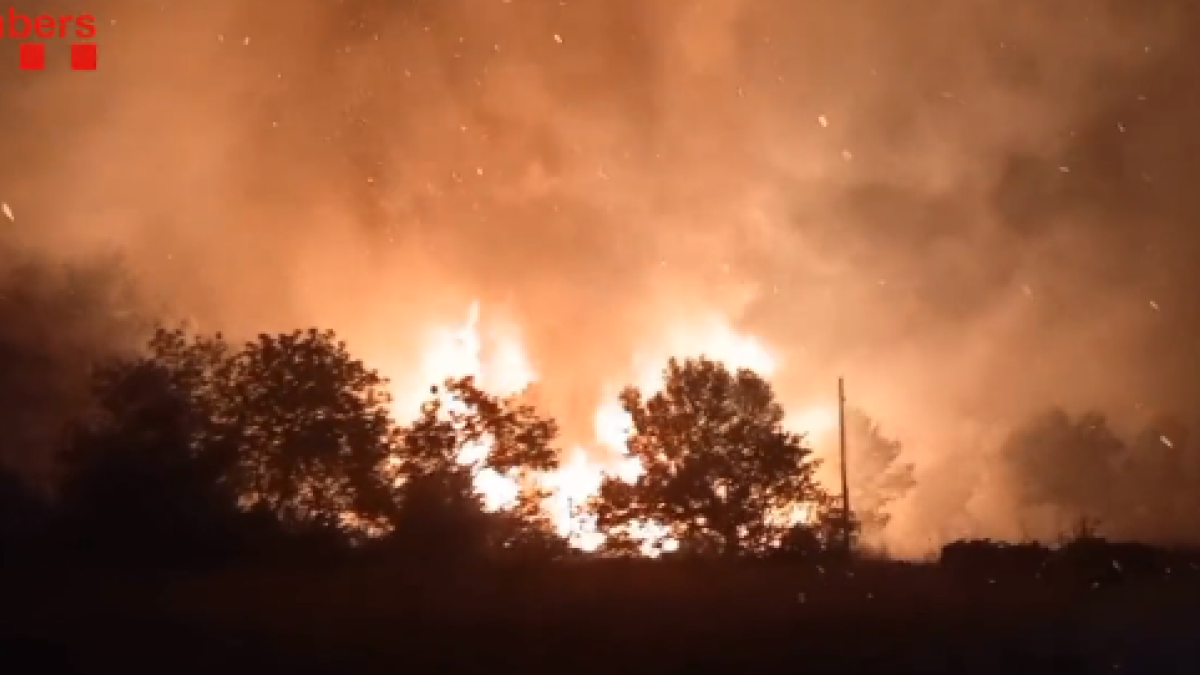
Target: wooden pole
x,y
846,517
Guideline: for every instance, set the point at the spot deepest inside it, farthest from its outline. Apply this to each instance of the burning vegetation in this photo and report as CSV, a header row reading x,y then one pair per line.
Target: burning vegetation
x,y
436,315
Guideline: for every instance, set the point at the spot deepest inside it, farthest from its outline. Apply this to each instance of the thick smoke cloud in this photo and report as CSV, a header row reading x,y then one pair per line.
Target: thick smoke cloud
x,y
971,210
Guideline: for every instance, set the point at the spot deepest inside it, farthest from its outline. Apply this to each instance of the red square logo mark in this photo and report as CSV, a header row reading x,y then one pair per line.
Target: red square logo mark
x,y
83,56
32,55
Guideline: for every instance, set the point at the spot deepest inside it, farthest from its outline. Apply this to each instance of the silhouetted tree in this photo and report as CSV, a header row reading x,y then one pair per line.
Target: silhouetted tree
x,y
440,517
290,425
312,429
439,513
721,472
460,432
136,488
506,434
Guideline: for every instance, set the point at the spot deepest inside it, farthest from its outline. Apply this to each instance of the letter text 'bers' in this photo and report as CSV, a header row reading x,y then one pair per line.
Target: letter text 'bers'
x,y
48,29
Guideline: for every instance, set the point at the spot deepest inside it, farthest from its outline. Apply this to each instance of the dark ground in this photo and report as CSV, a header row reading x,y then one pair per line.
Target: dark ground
x,y
593,618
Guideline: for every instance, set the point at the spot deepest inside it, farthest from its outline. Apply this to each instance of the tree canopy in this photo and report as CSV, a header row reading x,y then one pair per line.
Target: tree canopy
x,y
289,437
460,432
290,423
135,482
720,471
314,428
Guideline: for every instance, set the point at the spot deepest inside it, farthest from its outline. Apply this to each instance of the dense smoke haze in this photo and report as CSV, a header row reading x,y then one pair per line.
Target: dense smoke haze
x,y
973,210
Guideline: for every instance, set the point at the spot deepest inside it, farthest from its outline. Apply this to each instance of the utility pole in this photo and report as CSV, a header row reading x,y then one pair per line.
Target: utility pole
x,y
846,517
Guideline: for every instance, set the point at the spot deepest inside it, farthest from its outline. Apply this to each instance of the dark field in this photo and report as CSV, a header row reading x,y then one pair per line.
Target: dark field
x,y
594,617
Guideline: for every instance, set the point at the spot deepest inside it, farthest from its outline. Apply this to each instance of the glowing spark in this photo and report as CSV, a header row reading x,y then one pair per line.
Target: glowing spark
x,y
7,211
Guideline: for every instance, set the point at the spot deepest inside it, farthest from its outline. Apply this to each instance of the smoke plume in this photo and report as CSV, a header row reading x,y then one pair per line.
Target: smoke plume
x,y
971,210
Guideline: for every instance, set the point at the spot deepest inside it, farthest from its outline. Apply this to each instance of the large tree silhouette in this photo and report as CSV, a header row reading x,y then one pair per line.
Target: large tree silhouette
x,y
312,429
289,424
136,486
721,473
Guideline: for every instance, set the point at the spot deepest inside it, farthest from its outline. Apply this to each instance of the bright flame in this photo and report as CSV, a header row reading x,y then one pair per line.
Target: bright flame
x,y
816,421
572,485
458,352
500,365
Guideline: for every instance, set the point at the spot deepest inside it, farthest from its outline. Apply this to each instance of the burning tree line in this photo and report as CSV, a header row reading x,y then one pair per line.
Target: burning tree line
x,y
199,447
195,447
190,445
